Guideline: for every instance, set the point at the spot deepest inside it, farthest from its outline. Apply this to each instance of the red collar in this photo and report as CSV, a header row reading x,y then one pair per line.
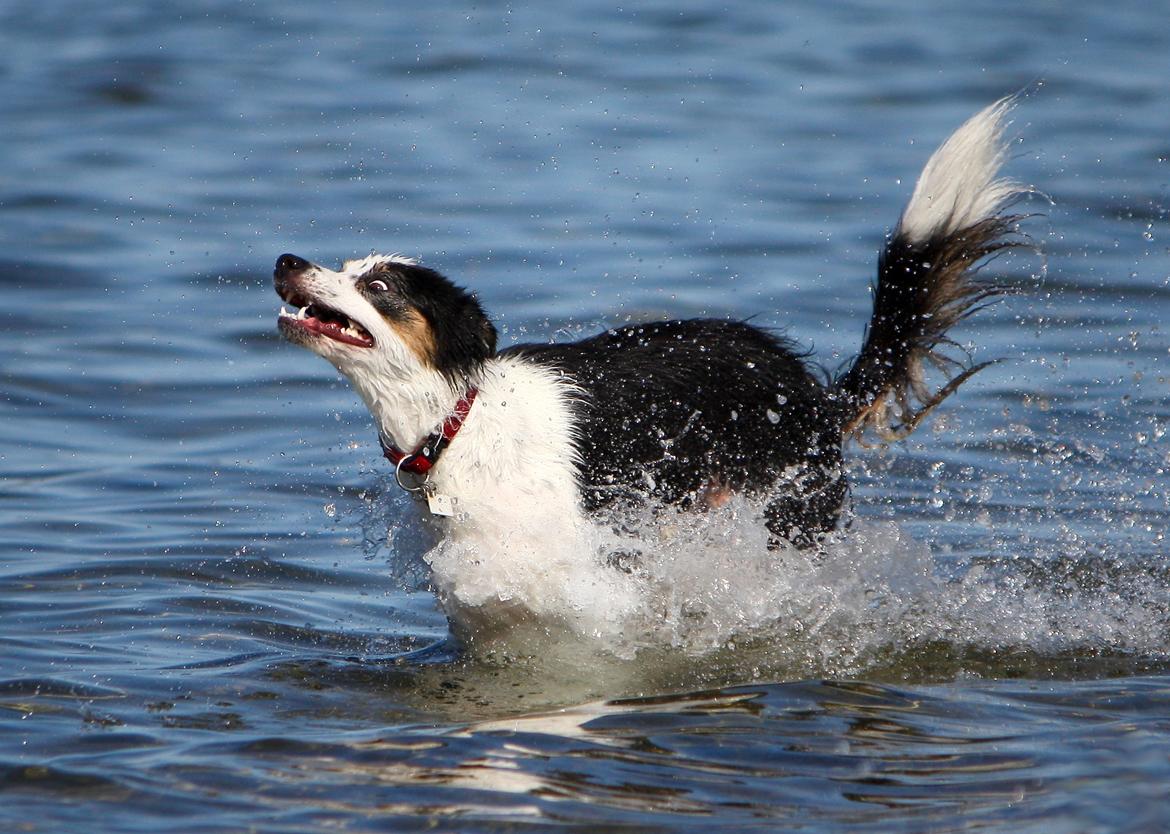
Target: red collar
x,y
425,456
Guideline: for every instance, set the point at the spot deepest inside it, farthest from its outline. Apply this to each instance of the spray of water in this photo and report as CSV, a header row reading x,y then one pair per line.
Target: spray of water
x,y
704,586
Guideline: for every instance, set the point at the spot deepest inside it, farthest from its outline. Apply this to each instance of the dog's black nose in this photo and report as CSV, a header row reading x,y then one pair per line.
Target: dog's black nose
x,y
288,264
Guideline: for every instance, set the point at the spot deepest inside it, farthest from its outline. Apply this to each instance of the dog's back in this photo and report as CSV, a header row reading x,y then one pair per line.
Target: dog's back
x,y
684,412
679,411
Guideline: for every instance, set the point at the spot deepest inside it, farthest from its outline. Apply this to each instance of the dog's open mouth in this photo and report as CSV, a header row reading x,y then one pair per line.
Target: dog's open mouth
x,y
314,317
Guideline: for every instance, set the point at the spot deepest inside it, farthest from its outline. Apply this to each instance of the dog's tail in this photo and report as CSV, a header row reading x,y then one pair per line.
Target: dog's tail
x,y
927,280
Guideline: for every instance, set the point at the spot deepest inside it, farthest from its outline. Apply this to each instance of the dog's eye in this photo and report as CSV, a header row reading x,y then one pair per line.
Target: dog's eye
x,y
378,285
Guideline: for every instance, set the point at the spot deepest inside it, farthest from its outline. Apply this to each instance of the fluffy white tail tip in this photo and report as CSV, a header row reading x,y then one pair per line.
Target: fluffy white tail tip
x,y
958,187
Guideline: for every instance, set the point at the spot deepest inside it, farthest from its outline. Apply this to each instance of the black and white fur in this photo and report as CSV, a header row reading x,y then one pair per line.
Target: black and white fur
x,y
680,412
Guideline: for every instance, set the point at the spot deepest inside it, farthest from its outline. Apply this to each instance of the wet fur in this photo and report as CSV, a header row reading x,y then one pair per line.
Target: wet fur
x,y
674,412
670,409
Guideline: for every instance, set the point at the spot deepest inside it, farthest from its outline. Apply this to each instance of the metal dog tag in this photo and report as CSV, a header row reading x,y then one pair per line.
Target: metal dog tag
x,y
440,504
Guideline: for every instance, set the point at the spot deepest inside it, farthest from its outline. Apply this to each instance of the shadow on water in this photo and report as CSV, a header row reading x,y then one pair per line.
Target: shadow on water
x,y
444,682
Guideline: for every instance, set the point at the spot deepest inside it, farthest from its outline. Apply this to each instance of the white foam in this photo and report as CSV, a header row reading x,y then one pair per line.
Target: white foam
x,y
698,585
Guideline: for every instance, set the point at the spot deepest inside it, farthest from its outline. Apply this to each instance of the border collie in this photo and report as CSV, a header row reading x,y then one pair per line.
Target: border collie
x,y
519,447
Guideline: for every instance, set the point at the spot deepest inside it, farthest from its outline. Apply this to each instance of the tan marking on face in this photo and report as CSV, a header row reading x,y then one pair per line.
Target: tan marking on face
x,y
417,335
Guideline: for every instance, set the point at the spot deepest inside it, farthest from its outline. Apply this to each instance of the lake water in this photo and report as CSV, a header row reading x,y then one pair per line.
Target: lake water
x,y
215,611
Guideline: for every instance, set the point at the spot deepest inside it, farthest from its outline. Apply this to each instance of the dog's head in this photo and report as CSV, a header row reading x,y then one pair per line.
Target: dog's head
x,y
384,316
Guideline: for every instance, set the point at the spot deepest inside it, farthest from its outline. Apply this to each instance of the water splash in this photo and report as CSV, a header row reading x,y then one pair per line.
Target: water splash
x,y
706,588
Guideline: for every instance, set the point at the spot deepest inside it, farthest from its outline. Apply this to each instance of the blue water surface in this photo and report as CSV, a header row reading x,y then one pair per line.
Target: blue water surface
x,y
215,612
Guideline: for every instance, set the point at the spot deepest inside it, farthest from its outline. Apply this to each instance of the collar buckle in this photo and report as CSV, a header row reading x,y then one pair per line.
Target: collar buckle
x,y
423,458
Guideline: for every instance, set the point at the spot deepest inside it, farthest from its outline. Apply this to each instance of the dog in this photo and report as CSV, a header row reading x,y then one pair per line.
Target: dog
x,y
516,448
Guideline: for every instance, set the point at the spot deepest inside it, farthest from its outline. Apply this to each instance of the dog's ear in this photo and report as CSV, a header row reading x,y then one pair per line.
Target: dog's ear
x,y
470,338
464,336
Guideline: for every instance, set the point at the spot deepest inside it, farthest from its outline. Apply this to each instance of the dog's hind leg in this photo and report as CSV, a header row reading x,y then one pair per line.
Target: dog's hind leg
x,y
808,507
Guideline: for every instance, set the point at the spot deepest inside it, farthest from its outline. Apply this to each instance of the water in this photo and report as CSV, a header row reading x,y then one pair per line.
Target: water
x,y
216,610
